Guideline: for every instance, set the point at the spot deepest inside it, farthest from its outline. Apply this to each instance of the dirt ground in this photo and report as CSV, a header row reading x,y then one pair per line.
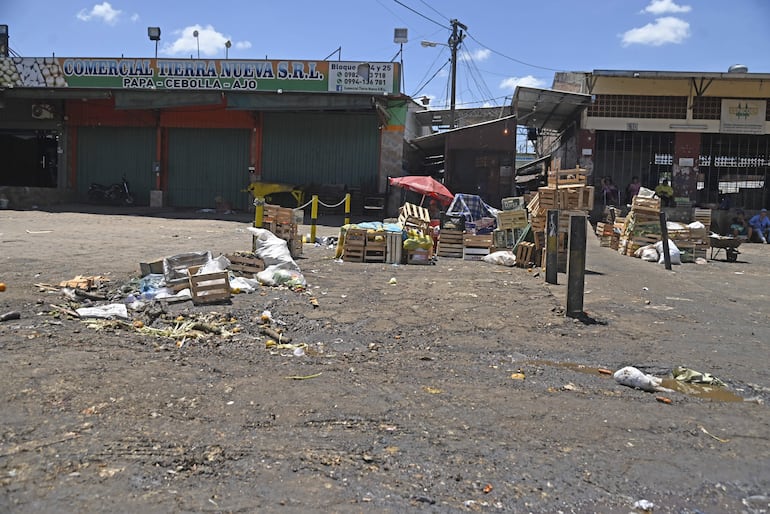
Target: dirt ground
x,y
460,388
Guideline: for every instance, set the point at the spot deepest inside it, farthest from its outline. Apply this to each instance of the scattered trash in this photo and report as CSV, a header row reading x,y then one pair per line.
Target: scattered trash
x,y
393,281
644,505
432,390
8,316
502,258
703,429
487,489
691,376
303,377
517,376
299,352
663,399
104,311
604,371
632,377
2,287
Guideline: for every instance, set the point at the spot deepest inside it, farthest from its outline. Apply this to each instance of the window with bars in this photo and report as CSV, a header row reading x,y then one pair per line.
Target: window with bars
x,y
632,106
706,108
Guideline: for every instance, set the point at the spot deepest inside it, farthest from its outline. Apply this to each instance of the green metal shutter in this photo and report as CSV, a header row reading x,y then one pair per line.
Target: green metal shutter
x,y
320,148
206,163
105,154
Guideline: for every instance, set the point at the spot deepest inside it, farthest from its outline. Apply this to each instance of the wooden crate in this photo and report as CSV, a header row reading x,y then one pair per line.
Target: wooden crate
x,y
511,219
278,214
476,246
245,263
419,256
525,254
450,243
354,244
394,248
572,176
645,204
413,216
209,287
704,216
512,203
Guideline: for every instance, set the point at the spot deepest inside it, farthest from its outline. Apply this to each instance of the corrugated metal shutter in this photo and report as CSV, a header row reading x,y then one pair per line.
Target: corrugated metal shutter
x,y
105,154
320,148
206,163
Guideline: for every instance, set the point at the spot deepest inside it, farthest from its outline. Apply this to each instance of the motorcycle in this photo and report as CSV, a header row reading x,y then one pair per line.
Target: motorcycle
x,y
118,193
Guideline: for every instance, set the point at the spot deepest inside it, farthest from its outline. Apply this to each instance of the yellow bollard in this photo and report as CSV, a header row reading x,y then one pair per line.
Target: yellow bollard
x,y
313,218
347,209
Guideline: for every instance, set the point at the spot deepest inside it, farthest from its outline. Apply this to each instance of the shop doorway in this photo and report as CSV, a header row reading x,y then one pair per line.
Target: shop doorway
x,y
30,158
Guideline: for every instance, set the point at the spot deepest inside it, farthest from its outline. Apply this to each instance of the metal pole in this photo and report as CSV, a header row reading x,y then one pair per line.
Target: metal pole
x,y
576,266
259,214
551,242
664,235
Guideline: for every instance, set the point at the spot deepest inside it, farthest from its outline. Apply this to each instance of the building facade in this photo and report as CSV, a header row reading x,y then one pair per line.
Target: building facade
x,y
197,130
708,134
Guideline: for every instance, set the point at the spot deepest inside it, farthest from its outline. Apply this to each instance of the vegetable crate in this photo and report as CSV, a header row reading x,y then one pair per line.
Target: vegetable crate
x,y
476,246
354,244
375,249
245,263
209,287
450,243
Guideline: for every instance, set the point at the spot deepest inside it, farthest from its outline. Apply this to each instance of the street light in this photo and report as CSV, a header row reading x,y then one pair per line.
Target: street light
x,y
195,35
228,44
154,34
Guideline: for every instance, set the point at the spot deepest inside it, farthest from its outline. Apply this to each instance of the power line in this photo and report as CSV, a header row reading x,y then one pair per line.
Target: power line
x,y
426,4
420,14
509,57
428,81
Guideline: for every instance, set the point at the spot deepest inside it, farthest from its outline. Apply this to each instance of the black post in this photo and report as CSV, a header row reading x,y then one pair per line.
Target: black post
x,y
454,43
664,235
551,242
576,266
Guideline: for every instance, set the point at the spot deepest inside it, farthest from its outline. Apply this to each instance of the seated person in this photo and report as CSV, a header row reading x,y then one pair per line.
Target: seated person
x,y
760,227
665,192
740,227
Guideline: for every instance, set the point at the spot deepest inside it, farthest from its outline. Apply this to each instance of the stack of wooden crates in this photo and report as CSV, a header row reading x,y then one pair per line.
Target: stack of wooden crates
x,y
566,192
282,221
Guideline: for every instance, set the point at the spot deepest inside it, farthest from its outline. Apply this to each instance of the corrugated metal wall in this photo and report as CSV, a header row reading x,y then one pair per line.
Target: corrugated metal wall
x,y
105,154
320,148
206,163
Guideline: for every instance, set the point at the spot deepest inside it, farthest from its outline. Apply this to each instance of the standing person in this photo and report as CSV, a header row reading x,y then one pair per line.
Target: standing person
x,y
665,192
633,188
609,192
760,225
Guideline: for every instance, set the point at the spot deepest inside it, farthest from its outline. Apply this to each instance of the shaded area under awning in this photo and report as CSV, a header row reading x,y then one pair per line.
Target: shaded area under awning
x,y
293,102
547,108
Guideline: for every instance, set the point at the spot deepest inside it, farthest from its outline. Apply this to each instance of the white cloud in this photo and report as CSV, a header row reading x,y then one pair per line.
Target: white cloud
x,y
482,54
658,7
135,17
103,11
212,42
511,83
662,31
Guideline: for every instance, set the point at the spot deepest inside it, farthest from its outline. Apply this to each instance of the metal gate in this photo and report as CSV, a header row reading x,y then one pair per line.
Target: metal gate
x,y
205,165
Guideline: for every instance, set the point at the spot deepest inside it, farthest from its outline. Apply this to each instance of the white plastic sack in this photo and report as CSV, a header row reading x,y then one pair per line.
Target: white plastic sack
x,y
645,193
673,251
221,263
503,258
273,250
633,377
649,254
696,225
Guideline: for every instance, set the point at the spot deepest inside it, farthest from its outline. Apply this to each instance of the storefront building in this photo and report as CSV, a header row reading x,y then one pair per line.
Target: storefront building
x,y
197,130
708,134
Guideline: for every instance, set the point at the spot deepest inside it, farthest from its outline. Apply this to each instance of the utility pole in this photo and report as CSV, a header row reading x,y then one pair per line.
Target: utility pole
x,y
454,43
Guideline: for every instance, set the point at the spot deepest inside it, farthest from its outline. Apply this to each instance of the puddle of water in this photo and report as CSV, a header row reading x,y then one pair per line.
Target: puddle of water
x,y
706,392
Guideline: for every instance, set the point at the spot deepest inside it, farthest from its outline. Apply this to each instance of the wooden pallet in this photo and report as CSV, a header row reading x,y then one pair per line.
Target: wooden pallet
x,y
394,248
209,287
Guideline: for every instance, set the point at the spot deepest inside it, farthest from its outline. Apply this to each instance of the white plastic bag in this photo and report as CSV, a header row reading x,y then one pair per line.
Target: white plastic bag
x,y
649,254
673,251
633,377
503,258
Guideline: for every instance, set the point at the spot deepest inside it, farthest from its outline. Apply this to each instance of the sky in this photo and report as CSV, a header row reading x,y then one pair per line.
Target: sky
x,y
507,42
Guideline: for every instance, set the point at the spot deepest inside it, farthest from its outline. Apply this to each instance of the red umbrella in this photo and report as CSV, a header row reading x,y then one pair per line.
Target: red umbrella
x,y
424,185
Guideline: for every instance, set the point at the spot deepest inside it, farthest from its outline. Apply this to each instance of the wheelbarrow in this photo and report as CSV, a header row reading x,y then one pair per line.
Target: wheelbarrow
x,y
727,243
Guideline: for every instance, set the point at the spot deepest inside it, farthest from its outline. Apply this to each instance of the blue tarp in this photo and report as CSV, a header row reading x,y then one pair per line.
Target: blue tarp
x,y
472,207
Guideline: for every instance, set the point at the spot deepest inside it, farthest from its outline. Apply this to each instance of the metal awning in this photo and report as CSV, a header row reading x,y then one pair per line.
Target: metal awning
x,y
547,108
434,143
